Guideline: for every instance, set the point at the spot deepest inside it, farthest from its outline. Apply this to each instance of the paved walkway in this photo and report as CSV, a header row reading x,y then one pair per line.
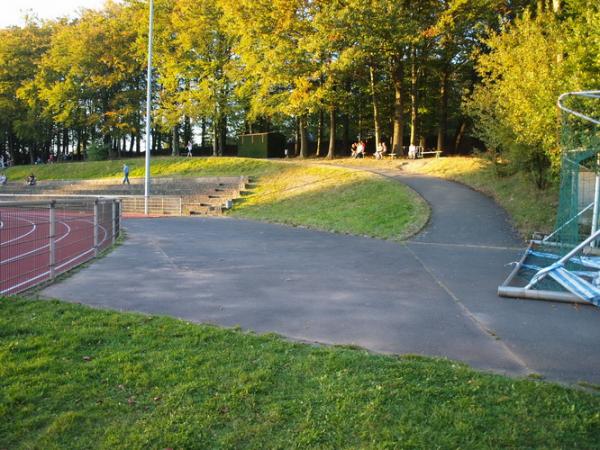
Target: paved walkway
x,y
435,295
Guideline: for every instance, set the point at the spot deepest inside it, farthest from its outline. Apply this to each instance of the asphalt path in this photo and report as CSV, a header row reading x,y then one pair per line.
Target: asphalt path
x,y
434,295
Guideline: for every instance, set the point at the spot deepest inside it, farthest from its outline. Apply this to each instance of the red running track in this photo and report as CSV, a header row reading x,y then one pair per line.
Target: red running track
x,y
25,245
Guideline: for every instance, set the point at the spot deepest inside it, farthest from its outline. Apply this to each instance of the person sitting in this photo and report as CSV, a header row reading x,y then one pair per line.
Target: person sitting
x,y
360,149
381,150
2,179
353,150
31,181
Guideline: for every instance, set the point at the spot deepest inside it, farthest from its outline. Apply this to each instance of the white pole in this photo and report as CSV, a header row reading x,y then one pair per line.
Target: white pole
x,y
96,228
148,110
52,238
596,200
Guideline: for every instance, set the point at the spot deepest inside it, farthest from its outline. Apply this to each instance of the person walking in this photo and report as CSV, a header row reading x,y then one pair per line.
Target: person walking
x,y
189,148
126,174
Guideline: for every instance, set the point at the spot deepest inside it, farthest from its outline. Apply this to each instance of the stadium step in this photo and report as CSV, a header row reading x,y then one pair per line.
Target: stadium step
x,y
170,196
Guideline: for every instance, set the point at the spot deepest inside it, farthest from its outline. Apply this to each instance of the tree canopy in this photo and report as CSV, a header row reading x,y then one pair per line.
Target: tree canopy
x,y
447,74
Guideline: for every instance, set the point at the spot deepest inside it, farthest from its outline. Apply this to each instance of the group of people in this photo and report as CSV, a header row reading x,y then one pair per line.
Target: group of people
x,y
359,150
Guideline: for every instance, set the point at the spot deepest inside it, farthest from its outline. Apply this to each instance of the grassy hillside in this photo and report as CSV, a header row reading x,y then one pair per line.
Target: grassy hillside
x,y
161,166
530,208
330,198
75,377
335,199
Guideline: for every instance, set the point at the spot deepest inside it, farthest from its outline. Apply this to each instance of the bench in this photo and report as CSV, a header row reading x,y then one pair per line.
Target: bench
x,y
430,152
392,155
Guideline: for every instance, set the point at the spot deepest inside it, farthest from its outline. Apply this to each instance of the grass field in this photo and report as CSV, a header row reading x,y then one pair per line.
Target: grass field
x,y
161,166
326,198
335,199
530,208
74,377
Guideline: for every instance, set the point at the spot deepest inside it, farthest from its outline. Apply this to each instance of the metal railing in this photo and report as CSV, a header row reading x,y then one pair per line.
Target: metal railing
x,y
41,239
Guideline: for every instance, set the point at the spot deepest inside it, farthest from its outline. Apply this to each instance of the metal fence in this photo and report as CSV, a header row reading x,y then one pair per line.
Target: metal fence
x,y
157,205
163,205
41,239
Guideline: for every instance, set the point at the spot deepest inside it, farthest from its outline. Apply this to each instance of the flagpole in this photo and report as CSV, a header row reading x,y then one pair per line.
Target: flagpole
x,y
148,110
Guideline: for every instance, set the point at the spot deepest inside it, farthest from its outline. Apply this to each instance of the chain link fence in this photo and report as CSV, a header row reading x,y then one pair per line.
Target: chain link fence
x,y
41,239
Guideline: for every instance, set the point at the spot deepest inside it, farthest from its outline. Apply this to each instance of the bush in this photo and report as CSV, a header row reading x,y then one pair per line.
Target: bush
x,y
97,151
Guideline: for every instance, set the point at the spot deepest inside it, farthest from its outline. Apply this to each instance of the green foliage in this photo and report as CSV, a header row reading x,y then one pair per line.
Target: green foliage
x,y
97,151
76,377
529,64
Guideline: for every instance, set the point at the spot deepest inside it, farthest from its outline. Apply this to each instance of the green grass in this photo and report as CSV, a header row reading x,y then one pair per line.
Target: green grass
x,y
324,198
74,377
336,199
161,166
530,208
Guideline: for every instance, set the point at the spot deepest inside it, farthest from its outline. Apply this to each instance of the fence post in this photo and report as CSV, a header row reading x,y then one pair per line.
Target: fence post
x,y
114,221
52,243
181,206
96,220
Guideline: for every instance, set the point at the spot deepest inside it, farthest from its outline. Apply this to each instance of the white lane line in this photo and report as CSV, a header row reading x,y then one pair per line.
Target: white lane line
x,y
63,264
37,249
23,235
37,277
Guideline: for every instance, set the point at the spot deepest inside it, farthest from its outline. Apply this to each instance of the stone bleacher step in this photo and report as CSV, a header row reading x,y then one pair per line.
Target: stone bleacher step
x,y
199,196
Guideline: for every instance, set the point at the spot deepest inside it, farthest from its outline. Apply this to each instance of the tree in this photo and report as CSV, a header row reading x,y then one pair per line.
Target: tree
x,y
23,126
279,74
529,64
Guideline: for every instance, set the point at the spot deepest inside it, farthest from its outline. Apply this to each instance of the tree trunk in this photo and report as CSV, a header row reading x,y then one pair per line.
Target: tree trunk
x,y
131,143
303,138
375,111
215,138
319,132
346,132
459,136
187,129
398,134
413,98
297,142
175,141
78,145
556,6
222,136
332,136
58,143
443,111
11,147
202,132
65,142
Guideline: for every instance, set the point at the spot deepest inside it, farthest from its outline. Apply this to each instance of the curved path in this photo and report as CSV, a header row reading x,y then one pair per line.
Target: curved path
x,y
434,295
